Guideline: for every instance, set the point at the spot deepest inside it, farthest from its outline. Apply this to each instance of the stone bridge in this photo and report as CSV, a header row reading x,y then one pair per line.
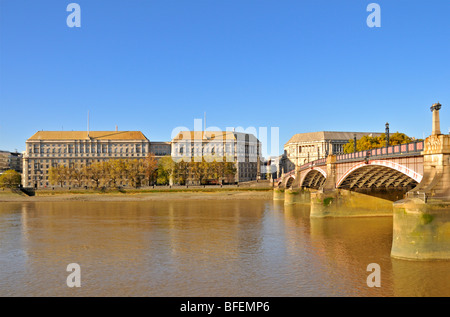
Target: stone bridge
x,y
410,182
395,169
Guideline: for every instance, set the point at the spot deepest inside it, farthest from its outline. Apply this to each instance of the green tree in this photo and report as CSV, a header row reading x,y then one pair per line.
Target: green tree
x,y
95,173
135,172
230,172
399,138
181,173
10,179
150,167
369,142
58,174
203,171
77,174
166,169
115,171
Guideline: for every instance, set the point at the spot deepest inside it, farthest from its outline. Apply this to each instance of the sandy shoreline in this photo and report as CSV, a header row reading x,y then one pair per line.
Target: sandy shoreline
x,y
219,195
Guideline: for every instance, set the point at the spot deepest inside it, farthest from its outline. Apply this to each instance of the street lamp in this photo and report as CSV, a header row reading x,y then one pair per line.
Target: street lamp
x,y
354,142
387,134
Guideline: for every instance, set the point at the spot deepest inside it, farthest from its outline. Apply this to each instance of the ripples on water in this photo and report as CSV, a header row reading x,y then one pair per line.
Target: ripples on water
x,y
202,248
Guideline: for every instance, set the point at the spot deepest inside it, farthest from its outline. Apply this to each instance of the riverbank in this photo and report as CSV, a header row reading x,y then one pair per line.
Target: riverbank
x,y
139,195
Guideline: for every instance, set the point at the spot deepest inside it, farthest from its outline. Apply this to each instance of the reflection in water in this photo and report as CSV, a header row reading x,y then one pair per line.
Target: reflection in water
x,y
201,248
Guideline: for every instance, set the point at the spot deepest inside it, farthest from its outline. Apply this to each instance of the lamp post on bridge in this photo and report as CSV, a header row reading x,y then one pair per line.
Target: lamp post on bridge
x,y
387,134
354,142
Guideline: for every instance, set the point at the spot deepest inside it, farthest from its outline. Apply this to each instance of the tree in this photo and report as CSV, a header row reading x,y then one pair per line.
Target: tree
x,y
135,172
369,142
202,171
77,174
166,169
230,172
150,168
58,174
95,173
399,138
10,179
218,171
182,169
115,171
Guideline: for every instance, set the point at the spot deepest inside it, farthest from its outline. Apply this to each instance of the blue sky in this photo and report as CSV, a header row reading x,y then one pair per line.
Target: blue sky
x,y
155,65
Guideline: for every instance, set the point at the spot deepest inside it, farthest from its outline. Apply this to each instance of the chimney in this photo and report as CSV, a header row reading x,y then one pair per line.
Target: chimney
x,y
117,128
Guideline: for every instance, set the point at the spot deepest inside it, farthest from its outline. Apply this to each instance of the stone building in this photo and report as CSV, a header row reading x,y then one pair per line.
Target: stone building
x,y
160,149
81,148
243,149
271,167
10,161
305,147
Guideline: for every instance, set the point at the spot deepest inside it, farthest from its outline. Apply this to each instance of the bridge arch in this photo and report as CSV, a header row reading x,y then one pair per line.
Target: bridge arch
x,y
314,178
379,175
290,180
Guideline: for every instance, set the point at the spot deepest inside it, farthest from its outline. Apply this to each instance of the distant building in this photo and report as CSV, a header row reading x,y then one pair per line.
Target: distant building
x,y
52,148
243,149
10,161
270,167
160,149
305,147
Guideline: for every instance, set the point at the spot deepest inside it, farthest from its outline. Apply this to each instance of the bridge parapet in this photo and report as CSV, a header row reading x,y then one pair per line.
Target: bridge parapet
x,y
284,176
402,150
319,162
408,149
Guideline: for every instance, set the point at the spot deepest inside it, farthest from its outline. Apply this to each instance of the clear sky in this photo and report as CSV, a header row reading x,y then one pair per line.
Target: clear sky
x,y
153,65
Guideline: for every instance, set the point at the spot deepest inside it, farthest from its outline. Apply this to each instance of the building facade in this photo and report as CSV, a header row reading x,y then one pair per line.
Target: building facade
x,y
10,161
160,149
242,149
46,149
305,147
270,167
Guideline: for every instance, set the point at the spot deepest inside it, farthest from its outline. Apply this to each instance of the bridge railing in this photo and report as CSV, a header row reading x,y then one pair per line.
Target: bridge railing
x,y
285,175
321,161
391,151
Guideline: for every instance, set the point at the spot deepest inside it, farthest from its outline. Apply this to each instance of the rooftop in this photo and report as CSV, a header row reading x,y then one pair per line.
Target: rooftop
x,y
328,135
213,135
83,135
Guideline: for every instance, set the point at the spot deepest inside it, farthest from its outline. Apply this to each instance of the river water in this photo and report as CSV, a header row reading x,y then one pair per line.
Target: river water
x,y
202,248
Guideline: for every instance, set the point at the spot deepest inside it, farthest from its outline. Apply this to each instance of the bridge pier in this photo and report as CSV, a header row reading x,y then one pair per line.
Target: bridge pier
x,y
297,196
278,193
422,220
346,203
421,230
